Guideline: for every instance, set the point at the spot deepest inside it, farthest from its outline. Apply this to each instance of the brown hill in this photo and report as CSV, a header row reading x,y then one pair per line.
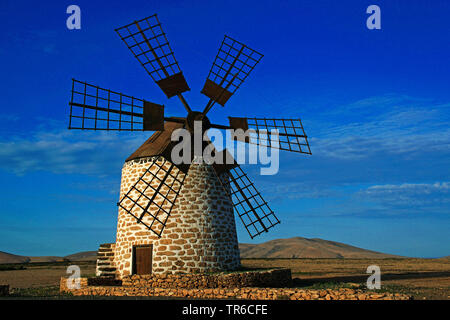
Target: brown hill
x,y
12,258
83,256
45,259
299,247
8,258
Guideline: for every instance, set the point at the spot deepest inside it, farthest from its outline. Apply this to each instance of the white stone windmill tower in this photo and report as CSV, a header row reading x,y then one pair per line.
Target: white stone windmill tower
x,y
178,218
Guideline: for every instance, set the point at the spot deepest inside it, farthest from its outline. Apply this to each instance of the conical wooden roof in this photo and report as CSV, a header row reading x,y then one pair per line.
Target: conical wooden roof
x,y
158,143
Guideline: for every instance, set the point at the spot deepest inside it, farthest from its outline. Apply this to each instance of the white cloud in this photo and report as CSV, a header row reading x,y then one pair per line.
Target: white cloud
x,y
422,188
94,153
396,130
285,190
412,195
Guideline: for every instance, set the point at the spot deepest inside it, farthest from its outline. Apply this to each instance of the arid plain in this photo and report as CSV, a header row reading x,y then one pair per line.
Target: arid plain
x,y
315,263
420,278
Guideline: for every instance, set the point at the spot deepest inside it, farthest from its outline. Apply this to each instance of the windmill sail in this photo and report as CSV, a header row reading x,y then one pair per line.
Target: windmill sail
x,y
147,41
151,199
232,65
249,205
95,108
289,134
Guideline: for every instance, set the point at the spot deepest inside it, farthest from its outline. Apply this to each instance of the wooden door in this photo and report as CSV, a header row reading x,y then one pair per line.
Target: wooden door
x,y
143,259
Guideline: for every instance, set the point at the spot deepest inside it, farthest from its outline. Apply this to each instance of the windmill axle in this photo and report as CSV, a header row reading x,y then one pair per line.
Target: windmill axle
x,y
195,116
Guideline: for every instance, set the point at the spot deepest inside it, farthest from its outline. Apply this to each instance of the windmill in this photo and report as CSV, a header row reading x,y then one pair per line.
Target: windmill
x,y
186,209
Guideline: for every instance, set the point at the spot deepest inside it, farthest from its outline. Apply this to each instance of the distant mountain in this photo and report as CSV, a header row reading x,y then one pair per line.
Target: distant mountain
x,y
83,256
299,247
12,258
8,258
46,259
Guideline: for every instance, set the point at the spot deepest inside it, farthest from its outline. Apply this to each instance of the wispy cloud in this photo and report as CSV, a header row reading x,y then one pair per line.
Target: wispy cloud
x,y
410,195
35,40
394,126
383,150
282,191
9,117
374,157
93,153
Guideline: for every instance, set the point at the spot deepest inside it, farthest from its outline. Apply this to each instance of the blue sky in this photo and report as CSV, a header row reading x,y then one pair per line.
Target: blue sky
x,y
375,104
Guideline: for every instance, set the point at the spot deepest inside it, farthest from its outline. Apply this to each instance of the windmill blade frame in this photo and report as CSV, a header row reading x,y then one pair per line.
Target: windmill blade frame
x,y
96,108
253,211
232,65
151,187
290,133
148,43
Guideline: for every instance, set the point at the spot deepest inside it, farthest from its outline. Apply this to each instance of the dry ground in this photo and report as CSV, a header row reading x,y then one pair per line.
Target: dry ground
x,y
41,275
422,278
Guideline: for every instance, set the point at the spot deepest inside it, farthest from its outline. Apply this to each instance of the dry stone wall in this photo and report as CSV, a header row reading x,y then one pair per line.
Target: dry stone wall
x,y
200,234
269,278
235,293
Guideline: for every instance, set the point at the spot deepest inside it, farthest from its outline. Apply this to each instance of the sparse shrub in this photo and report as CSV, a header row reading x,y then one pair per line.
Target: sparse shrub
x,y
5,267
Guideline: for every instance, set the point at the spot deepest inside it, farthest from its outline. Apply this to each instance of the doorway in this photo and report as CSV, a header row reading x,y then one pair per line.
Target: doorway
x,y
142,259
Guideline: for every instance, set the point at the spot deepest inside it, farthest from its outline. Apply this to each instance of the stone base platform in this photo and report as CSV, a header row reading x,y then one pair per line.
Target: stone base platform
x,y
255,285
275,278
240,293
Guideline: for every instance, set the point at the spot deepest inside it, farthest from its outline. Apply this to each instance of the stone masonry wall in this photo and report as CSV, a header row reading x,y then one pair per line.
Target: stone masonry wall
x,y
235,293
200,234
268,278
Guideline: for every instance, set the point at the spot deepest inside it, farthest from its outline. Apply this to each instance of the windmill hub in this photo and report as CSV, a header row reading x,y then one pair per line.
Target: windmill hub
x,y
195,116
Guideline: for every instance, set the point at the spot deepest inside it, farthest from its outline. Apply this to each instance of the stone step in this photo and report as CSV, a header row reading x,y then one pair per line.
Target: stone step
x,y
104,259
107,274
106,269
107,245
105,254
104,250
